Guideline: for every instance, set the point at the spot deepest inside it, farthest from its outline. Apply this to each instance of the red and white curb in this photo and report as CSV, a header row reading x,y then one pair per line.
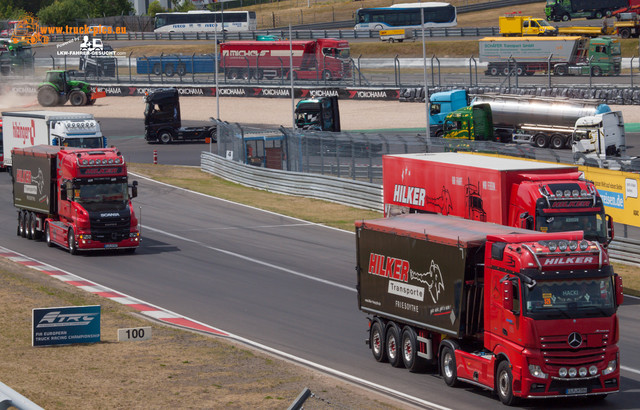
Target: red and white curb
x,y
144,308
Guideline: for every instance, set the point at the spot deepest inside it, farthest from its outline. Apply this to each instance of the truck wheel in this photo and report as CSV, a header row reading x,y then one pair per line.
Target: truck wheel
x,y
157,69
560,70
213,134
566,17
376,342
596,71
169,70
47,235
47,96
392,40
182,70
71,241
448,366
394,345
410,356
540,140
598,14
439,133
557,141
166,137
624,33
78,98
326,75
493,70
504,382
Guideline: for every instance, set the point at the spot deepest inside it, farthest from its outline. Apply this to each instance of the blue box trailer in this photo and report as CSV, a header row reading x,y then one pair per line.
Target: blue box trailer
x,y
176,64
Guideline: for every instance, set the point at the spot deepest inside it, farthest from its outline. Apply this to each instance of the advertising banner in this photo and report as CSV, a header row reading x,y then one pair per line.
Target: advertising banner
x,y
65,325
619,193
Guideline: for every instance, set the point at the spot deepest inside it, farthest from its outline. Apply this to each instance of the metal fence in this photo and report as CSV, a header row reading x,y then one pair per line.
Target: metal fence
x,y
358,156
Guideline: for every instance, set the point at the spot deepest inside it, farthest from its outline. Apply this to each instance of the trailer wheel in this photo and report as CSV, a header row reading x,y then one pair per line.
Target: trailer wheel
x,y
232,74
31,225
624,32
520,71
78,98
157,69
166,137
22,230
493,70
182,70
169,70
540,140
504,383
557,141
448,366
376,342
410,356
394,345
47,96
71,241
213,134
47,235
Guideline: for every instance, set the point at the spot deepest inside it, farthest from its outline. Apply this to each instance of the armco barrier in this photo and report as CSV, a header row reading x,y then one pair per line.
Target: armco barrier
x,y
344,191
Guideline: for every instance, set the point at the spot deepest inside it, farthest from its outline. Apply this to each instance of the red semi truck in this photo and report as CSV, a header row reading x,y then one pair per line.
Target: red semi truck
x,y
77,198
525,194
321,59
524,314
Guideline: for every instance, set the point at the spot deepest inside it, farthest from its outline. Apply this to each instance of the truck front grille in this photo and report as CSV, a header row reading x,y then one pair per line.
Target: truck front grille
x,y
557,353
111,229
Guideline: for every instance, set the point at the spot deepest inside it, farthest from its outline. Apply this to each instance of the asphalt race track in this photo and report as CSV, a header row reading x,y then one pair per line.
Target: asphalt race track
x,y
285,283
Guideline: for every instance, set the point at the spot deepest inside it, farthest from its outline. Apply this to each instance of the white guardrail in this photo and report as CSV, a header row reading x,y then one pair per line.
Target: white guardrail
x,y
344,191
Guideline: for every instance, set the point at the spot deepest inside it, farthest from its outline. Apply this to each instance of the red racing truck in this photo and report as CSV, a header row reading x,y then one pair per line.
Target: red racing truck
x,y
524,314
525,194
77,198
321,59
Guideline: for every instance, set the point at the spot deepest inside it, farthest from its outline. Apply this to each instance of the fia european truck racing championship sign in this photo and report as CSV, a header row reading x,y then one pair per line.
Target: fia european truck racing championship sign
x,y
65,325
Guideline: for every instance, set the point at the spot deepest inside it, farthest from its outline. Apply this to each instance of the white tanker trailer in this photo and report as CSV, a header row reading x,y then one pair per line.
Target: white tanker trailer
x,y
545,121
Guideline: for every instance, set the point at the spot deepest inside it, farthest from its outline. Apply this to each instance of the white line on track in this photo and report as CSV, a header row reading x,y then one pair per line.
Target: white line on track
x,y
253,260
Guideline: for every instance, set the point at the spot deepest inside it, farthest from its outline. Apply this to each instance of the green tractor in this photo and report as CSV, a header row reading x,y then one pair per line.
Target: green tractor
x,y
58,88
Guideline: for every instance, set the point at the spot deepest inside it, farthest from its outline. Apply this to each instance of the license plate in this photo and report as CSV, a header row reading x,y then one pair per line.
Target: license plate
x,y
578,390
111,245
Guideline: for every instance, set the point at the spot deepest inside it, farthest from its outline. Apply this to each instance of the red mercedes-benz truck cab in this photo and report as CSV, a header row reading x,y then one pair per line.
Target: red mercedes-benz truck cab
x,y
525,314
77,198
525,194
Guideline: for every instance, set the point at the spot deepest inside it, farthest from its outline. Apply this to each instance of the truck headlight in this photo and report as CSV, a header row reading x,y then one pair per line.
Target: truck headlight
x,y
611,367
134,234
536,371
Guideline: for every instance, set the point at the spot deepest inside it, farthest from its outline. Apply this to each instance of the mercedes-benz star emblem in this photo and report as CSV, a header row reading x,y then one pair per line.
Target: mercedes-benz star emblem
x,y
574,340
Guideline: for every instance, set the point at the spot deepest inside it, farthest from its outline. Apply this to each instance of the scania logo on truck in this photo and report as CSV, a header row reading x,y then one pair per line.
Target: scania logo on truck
x,y
409,195
110,215
23,133
569,260
245,53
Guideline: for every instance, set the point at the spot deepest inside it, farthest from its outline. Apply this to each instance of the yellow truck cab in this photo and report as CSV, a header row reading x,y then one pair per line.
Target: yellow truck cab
x,y
516,25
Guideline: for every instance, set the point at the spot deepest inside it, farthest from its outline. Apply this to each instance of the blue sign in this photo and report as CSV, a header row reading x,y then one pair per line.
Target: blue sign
x,y
66,325
612,199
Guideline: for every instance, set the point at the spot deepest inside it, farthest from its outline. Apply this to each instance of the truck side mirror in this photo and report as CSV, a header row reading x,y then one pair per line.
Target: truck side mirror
x,y
134,189
619,290
63,193
526,221
610,230
507,295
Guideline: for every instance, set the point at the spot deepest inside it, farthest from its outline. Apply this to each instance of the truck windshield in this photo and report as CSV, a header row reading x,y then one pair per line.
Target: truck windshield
x,y
570,298
98,197
593,225
93,142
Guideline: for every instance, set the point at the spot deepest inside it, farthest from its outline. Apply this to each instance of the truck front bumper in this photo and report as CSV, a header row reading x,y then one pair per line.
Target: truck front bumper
x,y
85,242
